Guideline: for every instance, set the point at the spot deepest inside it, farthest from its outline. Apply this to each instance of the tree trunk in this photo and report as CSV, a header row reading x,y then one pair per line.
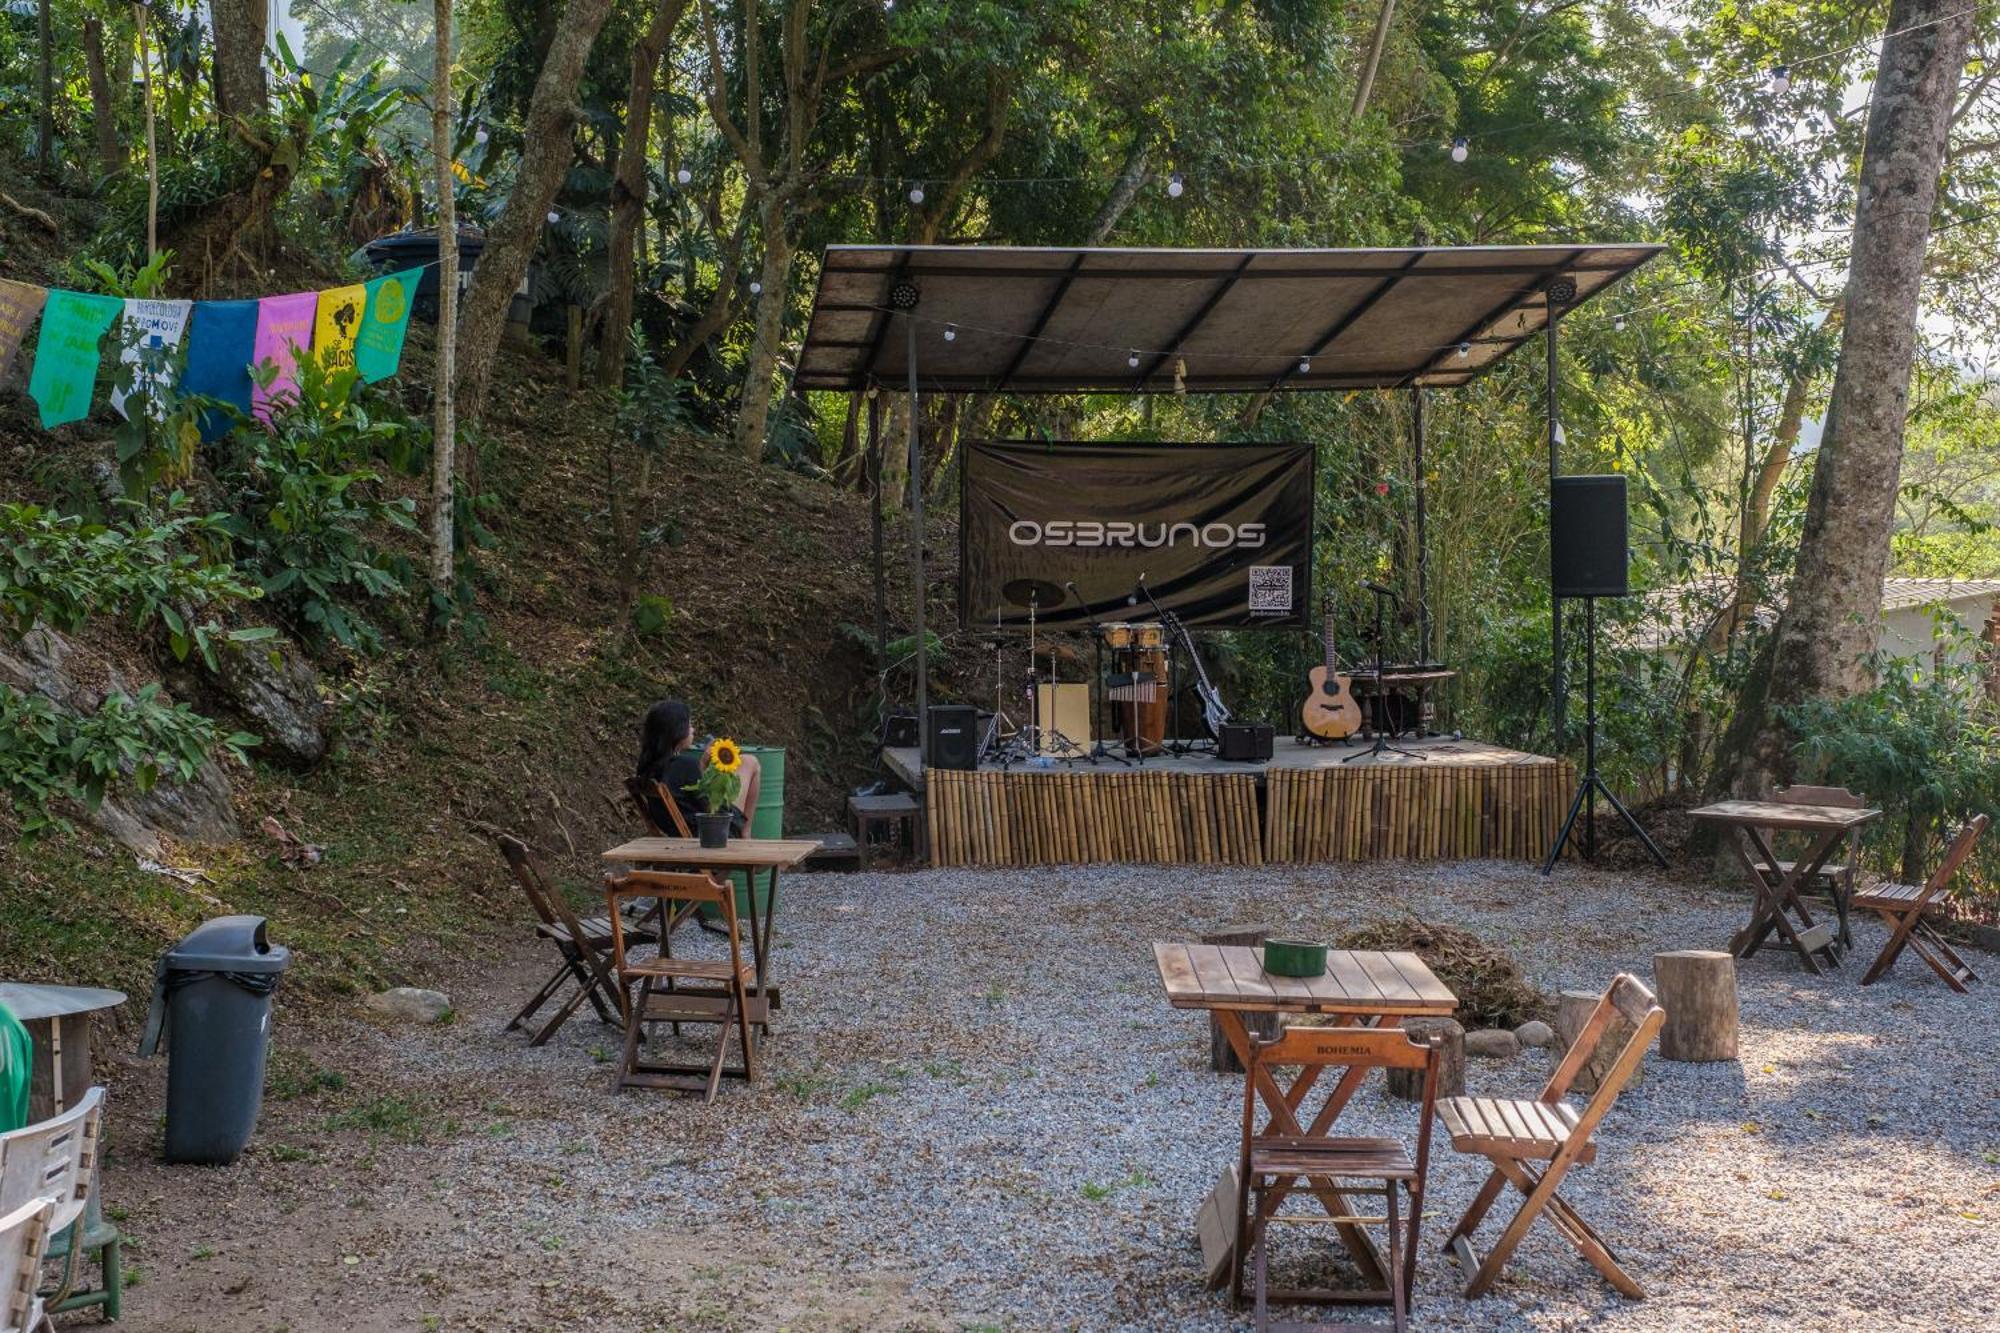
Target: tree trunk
x,y
546,150
1697,988
237,29
1827,628
1123,191
1383,18
628,192
141,15
45,121
754,411
444,427
103,99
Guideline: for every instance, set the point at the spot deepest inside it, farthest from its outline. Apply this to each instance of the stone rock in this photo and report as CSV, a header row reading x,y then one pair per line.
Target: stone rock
x,y
1535,1033
277,691
1492,1044
408,1004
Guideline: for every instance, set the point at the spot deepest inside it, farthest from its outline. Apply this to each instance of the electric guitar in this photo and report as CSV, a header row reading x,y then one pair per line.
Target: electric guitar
x,y
1329,711
1213,711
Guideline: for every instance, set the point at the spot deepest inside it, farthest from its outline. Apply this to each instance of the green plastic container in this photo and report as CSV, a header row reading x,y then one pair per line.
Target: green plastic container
x,y
766,821
1294,958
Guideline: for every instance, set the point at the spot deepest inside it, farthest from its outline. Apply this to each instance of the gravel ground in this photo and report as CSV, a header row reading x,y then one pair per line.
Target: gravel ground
x,y
977,1093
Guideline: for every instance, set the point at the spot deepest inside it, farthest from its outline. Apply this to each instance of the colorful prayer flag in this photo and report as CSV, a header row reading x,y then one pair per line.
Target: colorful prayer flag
x,y
284,333
378,350
337,323
222,341
155,327
67,354
19,305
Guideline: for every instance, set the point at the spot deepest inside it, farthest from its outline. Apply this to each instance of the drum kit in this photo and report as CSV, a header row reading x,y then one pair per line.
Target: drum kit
x,y
1057,712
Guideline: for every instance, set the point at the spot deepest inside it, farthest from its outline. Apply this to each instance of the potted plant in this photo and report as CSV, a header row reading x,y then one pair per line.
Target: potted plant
x,y
716,788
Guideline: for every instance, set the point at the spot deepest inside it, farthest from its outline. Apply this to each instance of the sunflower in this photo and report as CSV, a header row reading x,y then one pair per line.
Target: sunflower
x,y
724,755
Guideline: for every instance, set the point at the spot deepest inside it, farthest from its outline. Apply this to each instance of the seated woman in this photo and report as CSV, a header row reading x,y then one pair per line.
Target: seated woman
x,y
669,756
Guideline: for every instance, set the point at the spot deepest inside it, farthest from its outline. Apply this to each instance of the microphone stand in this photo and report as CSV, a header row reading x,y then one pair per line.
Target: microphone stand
x,y
1380,703
1178,747
1098,749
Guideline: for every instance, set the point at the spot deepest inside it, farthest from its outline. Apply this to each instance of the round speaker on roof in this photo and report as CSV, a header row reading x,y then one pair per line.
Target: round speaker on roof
x,y
903,296
1563,290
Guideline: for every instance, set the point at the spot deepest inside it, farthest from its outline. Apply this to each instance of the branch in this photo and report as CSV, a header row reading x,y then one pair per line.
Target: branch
x,y
32,214
718,107
999,100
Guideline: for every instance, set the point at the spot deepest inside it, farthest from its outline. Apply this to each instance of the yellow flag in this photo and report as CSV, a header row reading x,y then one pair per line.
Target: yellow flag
x,y
337,322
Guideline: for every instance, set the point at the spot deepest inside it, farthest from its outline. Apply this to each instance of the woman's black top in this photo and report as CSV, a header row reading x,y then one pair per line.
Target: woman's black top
x,y
680,772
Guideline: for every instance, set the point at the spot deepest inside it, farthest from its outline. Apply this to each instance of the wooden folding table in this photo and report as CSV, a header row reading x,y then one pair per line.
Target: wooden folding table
x,y
749,855
1359,987
1747,826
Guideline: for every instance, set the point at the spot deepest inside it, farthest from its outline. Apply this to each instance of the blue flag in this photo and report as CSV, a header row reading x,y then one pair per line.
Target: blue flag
x,y
221,346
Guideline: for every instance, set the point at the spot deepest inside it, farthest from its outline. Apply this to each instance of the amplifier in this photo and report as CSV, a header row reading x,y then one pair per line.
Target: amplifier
x,y
1247,742
954,737
899,731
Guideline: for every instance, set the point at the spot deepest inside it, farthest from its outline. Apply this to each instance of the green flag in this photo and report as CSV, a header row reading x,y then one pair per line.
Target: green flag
x,y
66,356
378,346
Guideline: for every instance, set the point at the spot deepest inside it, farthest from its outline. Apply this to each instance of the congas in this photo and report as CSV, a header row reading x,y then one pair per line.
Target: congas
x,y
1117,635
1150,636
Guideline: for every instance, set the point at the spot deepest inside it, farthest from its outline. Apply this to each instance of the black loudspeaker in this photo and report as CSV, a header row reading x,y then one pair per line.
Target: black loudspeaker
x,y
1245,742
899,731
954,736
1587,536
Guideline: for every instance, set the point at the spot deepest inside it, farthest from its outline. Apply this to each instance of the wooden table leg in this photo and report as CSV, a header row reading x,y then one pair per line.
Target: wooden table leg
x,y
1768,912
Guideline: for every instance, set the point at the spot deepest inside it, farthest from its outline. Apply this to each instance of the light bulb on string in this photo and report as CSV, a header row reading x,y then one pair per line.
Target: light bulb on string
x,y
1133,359
756,288
1461,148
340,122
951,333
1781,80
917,193
1464,350
480,135
1305,365
1618,323
1176,185
684,176
554,217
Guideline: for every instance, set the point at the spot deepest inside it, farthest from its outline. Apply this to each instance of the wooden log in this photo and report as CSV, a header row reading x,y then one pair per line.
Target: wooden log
x,y
1697,988
1573,1010
1262,1026
1407,1083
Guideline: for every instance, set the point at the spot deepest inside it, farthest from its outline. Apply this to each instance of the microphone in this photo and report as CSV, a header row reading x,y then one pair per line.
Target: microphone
x,y
1132,598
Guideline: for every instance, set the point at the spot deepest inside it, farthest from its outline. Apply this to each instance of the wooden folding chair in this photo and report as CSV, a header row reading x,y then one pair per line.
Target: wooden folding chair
x,y
640,789
1272,1165
581,944
1902,907
24,1240
54,1159
1836,882
683,990
1513,1133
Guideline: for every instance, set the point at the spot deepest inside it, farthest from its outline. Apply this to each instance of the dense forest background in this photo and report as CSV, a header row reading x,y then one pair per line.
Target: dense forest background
x,y
632,500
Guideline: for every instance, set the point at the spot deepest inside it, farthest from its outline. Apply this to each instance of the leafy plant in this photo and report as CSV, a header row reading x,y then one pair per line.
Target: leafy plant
x,y
718,784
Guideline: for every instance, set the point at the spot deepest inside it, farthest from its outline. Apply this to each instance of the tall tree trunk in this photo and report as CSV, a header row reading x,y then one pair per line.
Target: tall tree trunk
x,y
444,427
45,121
237,28
628,192
140,15
754,412
1827,627
1383,18
103,98
546,150
1124,190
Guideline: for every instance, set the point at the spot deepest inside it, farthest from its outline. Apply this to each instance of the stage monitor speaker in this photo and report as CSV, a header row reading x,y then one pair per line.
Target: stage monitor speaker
x,y
1587,536
1245,742
954,736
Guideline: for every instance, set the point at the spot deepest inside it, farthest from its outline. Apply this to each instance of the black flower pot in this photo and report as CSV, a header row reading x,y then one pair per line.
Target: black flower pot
x,y
713,829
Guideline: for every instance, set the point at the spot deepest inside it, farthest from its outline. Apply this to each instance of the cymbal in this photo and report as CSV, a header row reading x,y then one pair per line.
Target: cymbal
x,y
1033,592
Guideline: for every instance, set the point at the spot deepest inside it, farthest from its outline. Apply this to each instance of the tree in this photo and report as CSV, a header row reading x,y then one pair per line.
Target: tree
x,y
628,191
1824,635
237,27
444,430
104,96
546,151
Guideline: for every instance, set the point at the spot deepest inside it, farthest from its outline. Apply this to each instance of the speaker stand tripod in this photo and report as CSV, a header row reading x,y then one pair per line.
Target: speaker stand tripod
x,y
1585,801
1379,703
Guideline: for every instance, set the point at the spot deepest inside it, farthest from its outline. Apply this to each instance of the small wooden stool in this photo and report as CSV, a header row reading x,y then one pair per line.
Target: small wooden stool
x,y
901,814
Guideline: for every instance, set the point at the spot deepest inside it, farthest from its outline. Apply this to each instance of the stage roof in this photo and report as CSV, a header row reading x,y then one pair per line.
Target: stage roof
x,y
1240,321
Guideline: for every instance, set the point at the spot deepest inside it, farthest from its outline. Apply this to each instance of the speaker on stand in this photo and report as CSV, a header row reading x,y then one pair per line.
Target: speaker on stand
x,y
1588,559
953,736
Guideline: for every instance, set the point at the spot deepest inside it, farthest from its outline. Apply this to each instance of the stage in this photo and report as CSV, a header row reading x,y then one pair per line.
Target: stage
x,y
1463,800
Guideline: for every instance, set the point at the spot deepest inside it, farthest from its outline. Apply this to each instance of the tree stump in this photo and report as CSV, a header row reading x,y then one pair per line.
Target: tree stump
x,y
1573,1010
1697,988
1262,1026
1408,1083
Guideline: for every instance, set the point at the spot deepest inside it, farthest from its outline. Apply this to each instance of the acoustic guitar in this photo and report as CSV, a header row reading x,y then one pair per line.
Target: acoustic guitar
x,y
1329,711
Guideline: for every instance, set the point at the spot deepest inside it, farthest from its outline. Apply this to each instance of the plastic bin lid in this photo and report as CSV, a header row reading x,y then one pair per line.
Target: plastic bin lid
x,y
228,944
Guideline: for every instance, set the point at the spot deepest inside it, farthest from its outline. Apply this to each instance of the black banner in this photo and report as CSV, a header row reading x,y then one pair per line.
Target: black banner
x,y
1221,533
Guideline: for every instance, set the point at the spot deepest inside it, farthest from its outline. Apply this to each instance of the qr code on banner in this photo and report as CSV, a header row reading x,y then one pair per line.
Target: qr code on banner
x,y
1270,589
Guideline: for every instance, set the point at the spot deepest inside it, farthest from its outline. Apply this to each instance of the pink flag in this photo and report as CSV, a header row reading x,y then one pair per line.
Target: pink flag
x,y
284,323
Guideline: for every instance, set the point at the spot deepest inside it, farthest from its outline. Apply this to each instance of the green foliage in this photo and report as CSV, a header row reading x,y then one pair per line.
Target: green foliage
x,y
652,613
306,504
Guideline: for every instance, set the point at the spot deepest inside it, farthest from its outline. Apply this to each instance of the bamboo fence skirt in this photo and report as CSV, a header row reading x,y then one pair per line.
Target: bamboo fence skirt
x,y
1372,813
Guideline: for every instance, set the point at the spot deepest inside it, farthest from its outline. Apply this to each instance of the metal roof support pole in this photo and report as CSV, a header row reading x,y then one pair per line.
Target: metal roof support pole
x,y
917,554
1558,704
875,532
1423,531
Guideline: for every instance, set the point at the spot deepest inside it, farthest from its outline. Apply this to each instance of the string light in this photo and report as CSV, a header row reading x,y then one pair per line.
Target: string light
x,y
554,217
951,333
756,288
1133,359
917,193
1305,365
1464,350
1618,323
684,176
1461,149
1176,185
480,135
1781,80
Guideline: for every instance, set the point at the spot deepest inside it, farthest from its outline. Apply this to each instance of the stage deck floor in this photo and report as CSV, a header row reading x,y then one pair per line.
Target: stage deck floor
x,y
1286,753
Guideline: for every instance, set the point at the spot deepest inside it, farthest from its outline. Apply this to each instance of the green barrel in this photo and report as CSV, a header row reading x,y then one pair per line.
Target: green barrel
x,y
766,821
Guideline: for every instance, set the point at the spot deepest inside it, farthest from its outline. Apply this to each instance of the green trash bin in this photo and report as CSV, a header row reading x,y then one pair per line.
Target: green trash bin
x,y
766,821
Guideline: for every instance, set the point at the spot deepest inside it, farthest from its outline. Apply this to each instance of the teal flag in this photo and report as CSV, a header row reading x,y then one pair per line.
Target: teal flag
x,y
17,1060
67,357
378,347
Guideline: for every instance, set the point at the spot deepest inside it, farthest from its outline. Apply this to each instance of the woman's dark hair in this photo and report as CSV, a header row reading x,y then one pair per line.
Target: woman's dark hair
x,y
666,726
